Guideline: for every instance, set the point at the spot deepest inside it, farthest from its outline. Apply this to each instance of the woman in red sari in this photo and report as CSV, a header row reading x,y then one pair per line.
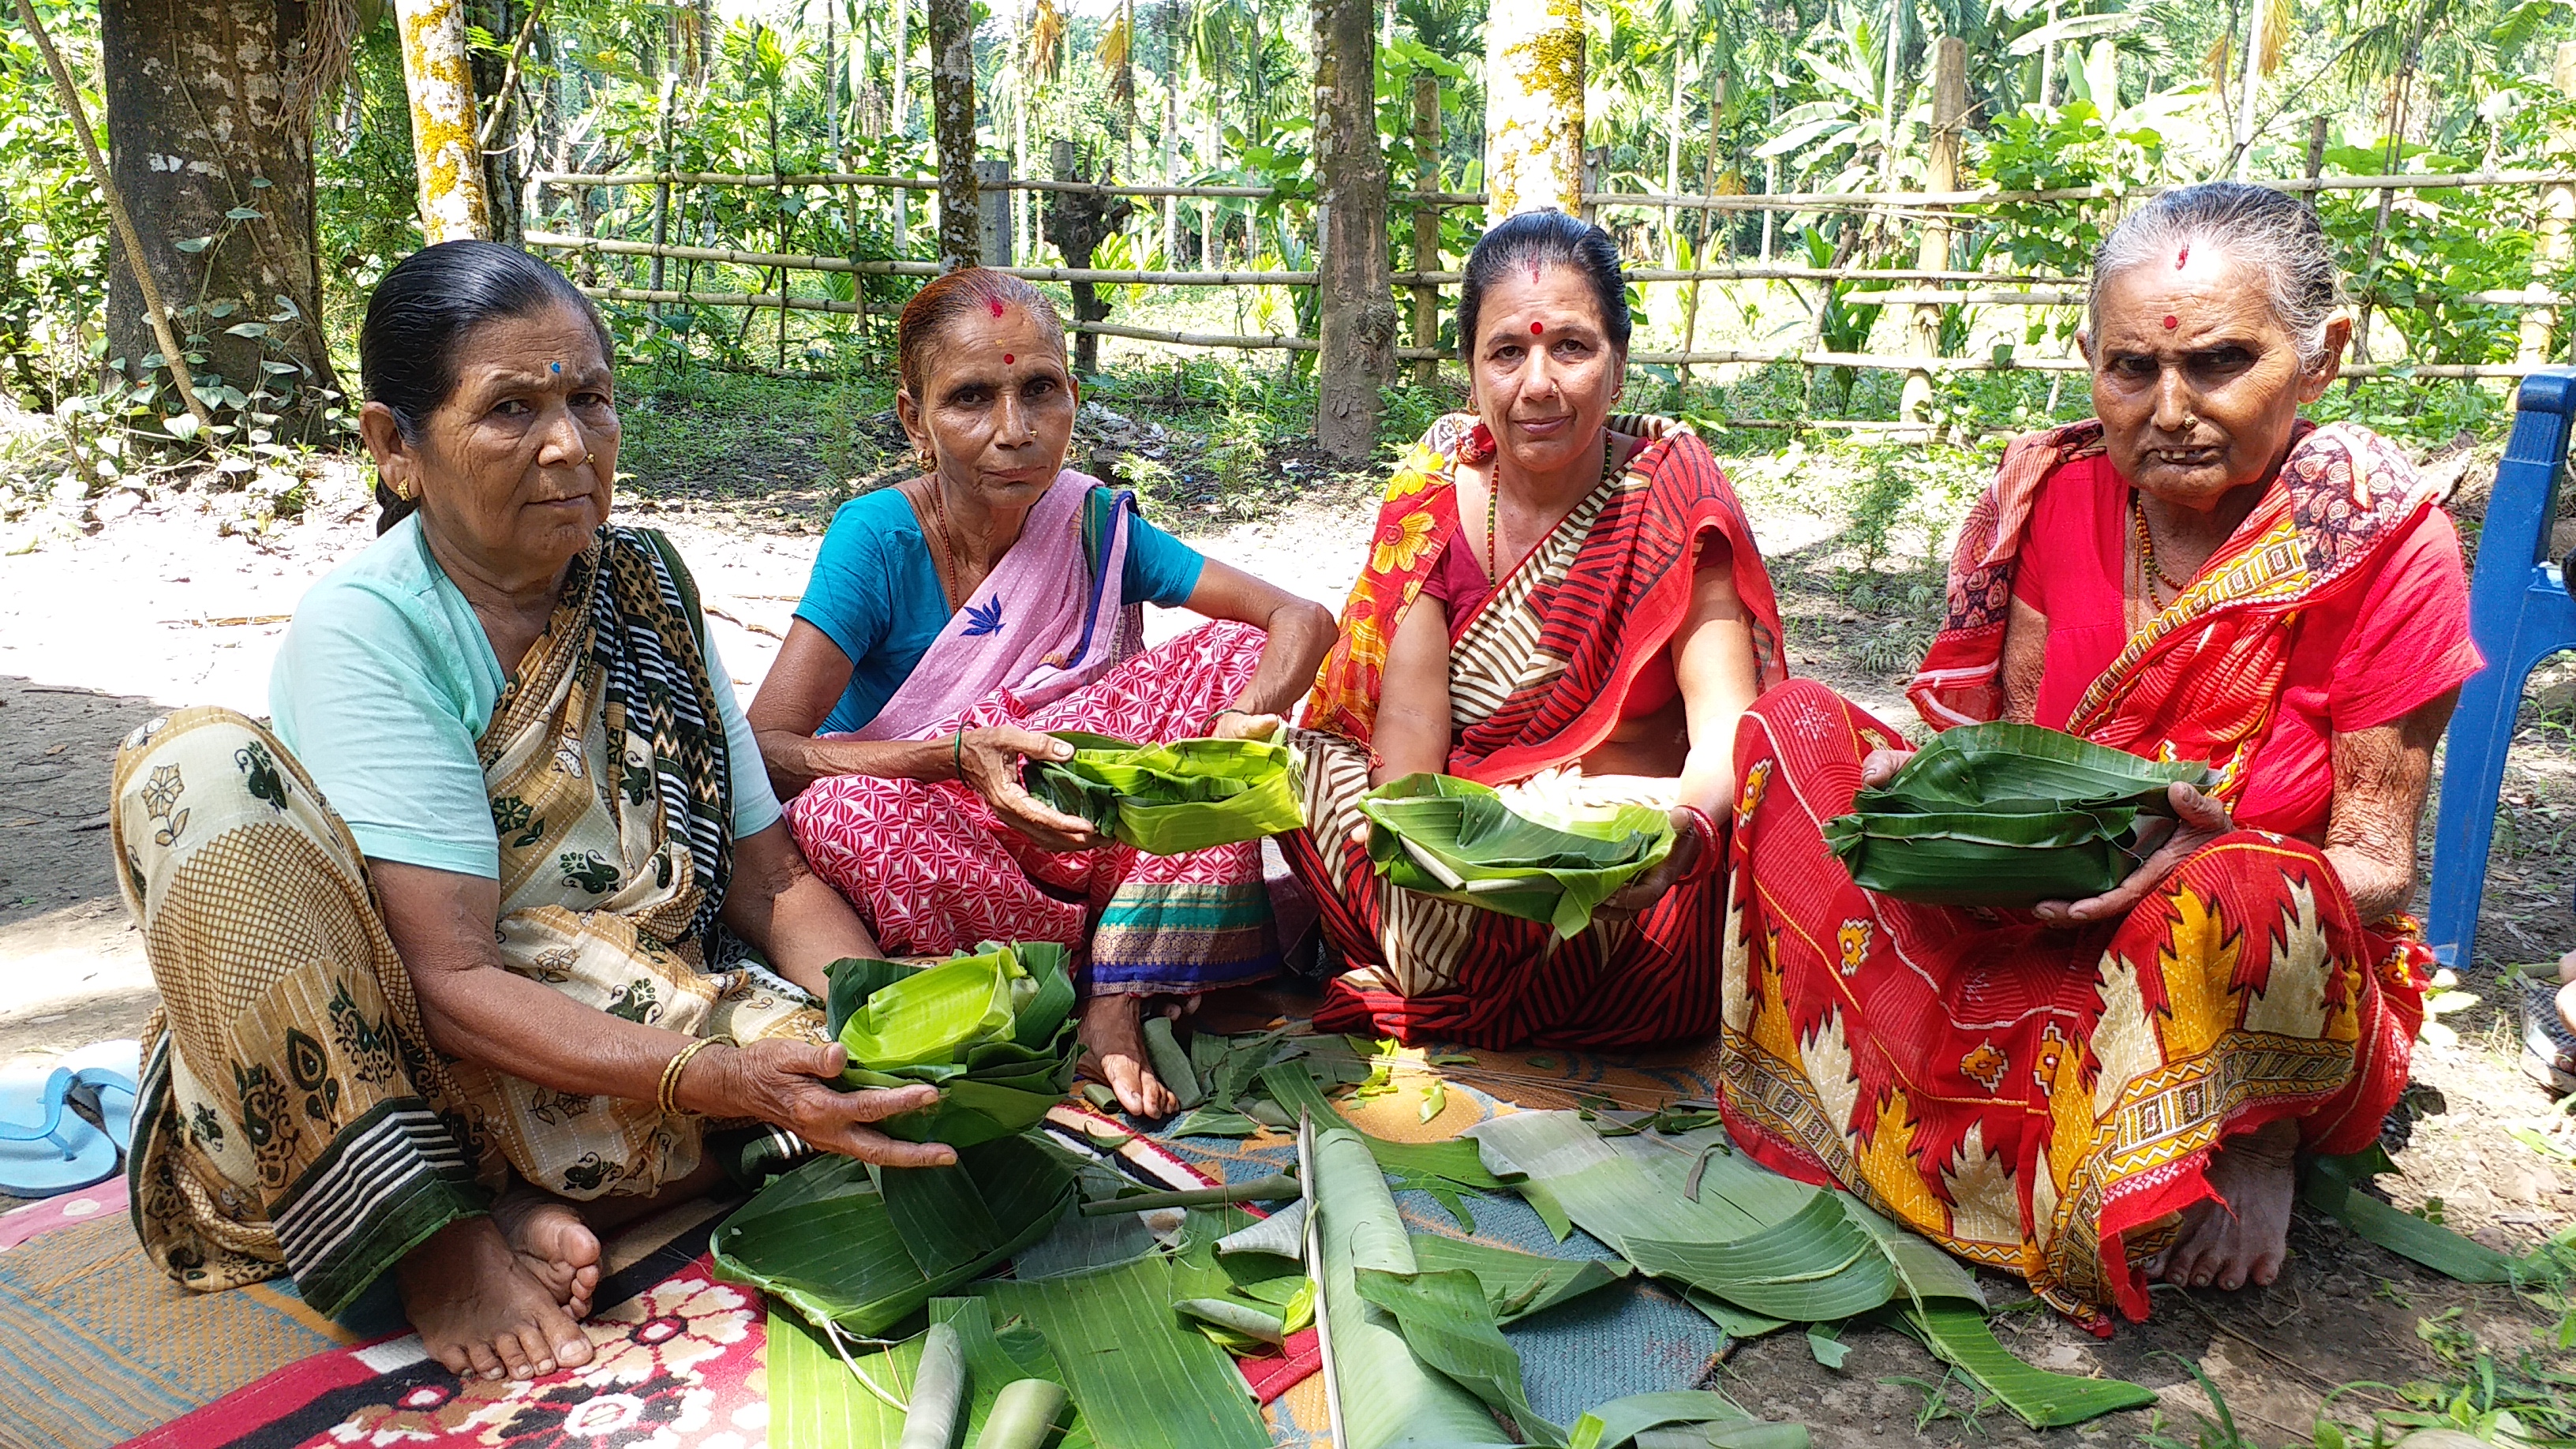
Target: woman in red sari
x,y
1607,665
2098,1092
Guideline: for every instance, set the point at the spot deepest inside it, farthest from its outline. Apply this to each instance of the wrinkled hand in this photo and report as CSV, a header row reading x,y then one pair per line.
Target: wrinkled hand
x,y
1642,893
789,1083
1234,724
2198,821
1880,766
989,762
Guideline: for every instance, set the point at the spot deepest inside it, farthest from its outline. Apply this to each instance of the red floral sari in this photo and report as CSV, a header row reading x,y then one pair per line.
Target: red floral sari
x,y
2041,1101
1538,677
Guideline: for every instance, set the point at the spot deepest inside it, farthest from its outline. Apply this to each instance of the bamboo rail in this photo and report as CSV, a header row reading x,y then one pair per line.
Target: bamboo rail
x,y
770,301
1270,340
800,262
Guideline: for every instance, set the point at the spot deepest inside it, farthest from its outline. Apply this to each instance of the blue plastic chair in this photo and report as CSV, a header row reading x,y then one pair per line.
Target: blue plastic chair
x,y
2520,614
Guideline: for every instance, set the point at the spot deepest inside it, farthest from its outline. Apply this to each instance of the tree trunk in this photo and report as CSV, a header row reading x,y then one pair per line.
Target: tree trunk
x,y
502,161
1949,115
1171,131
952,116
198,126
1675,117
1534,107
1359,316
896,128
441,87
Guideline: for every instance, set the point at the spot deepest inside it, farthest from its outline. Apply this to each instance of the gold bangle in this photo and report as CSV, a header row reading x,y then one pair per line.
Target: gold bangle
x,y
667,1097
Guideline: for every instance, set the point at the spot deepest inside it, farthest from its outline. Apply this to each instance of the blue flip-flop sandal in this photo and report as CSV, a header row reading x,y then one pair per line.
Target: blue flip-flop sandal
x,y
103,1076
45,1148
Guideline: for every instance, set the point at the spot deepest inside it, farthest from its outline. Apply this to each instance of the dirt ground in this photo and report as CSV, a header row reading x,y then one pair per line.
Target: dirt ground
x,y
123,608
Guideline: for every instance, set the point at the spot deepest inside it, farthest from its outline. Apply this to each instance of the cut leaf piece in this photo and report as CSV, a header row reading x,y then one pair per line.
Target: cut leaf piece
x,y
1213,1122
1171,1063
1445,1321
1957,1334
1517,1284
999,1076
1383,1395
1024,1415
1239,1318
1817,1265
1141,1379
938,1391
1621,1420
1737,1322
1281,1235
823,1239
2326,1184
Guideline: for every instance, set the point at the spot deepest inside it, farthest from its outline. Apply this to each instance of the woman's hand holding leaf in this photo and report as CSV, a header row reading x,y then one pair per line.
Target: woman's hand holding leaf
x,y
2198,820
1236,724
988,760
792,1084
1641,894
1880,766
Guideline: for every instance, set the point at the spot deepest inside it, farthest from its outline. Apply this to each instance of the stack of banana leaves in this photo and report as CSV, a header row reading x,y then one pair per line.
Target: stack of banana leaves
x,y
993,1031
1174,798
1458,840
2005,814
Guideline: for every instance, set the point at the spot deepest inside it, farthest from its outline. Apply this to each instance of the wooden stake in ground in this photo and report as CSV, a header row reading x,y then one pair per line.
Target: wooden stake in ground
x,y
1359,318
117,216
1533,107
1941,173
1426,222
952,119
441,89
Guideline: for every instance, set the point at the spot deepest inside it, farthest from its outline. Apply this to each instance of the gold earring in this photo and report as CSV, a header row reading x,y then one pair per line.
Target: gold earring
x,y
922,459
400,491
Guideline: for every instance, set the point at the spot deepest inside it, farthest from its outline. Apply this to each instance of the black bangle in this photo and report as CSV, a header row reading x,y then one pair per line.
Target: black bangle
x,y
957,755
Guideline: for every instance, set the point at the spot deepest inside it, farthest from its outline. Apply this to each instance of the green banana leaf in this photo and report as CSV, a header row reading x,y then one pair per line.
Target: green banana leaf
x,y
1755,1250
1383,1393
1517,1285
994,1031
1175,798
1448,1170
1142,1379
2327,1184
865,1248
816,1398
1456,839
2004,814
1620,1421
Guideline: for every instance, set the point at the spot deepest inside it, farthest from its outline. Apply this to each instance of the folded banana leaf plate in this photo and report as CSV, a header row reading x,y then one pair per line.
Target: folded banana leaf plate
x,y
1456,839
1175,798
993,1031
2005,815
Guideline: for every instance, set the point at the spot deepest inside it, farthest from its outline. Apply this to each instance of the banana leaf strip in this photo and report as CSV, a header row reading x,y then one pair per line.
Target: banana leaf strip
x,y
1517,1284
1140,1377
1245,1320
994,1031
1736,1322
1274,1188
1173,1065
1449,1327
1214,1122
1384,1394
826,1240
2328,1185
1456,839
1957,1334
1818,1264
1175,798
1620,1421
2004,814
1024,1416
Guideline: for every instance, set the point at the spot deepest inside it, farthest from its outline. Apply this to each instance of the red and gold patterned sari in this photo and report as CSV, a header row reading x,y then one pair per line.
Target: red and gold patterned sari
x,y
1538,676
2044,1101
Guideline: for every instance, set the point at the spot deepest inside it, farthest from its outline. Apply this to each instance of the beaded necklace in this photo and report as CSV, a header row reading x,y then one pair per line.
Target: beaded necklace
x,y
2148,568
1494,508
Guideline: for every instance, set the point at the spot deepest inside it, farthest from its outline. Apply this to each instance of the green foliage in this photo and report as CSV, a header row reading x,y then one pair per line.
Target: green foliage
x,y
53,245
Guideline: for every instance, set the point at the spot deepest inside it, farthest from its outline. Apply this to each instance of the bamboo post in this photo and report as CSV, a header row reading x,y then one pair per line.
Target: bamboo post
x,y
1941,164
2316,152
118,216
1707,189
1426,222
2557,224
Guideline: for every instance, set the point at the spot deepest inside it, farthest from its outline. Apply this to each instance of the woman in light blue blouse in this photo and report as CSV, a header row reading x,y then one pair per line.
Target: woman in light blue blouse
x,y
443,990
951,621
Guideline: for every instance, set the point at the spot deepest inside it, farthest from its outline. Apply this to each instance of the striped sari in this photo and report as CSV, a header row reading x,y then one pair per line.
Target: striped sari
x,y
2040,1101
1537,679
294,1116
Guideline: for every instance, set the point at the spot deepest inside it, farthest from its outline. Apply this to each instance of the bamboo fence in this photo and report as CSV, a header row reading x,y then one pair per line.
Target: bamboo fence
x,y
1893,286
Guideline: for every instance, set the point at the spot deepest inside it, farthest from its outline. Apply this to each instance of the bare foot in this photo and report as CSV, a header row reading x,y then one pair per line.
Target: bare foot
x,y
480,1311
1114,1044
554,1243
2242,1235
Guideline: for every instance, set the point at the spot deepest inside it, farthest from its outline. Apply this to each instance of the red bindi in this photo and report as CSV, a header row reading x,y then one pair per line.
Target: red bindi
x,y
2182,256
1536,329
2172,322
1008,359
